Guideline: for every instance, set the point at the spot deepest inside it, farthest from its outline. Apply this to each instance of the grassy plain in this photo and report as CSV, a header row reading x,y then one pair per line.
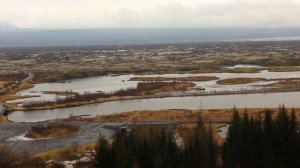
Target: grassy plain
x,y
288,83
52,130
236,81
3,84
61,64
214,115
190,78
64,153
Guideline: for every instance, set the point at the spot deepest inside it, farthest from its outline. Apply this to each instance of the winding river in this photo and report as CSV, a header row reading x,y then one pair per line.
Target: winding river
x,y
112,83
290,99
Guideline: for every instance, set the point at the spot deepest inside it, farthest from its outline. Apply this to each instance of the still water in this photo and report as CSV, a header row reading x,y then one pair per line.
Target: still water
x,y
290,99
113,83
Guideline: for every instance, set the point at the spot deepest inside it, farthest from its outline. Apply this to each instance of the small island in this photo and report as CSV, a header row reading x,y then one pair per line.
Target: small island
x,y
52,130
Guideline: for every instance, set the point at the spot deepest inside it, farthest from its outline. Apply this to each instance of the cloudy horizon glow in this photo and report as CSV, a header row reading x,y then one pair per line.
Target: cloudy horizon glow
x,y
150,13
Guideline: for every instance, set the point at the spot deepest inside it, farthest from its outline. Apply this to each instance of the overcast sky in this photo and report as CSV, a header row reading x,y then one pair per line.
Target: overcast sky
x,y
150,13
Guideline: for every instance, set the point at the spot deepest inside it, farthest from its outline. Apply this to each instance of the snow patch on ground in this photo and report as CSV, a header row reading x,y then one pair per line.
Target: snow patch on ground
x,y
223,131
23,137
19,138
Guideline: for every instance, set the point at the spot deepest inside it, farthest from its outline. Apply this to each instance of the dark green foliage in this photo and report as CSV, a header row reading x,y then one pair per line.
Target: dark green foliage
x,y
251,142
200,148
268,143
103,155
159,149
122,153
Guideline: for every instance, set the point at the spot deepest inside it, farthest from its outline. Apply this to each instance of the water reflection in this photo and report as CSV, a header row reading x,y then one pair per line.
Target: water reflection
x,y
270,100
113,83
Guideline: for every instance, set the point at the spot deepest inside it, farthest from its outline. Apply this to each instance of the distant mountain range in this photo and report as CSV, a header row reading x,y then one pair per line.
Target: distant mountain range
x,y
4,26
11,36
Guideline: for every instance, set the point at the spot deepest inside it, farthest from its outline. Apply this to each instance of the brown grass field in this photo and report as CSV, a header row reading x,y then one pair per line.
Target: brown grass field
x,y
3,84
10,95
3,118
190,78
288,83
52,130
214,115
236,81
65,153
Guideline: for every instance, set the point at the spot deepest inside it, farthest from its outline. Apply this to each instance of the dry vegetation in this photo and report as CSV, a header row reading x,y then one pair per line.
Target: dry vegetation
x,y
13,76
142,89
10,95
215,115
11,83
60,64
65,93
3,118
66,153
10,159
4,84
284,68
190,78
288,83
73,153
244,70
237,81
22,86
52,130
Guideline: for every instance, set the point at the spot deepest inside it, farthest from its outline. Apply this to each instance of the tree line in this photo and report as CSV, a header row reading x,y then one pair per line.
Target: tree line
x,y
158,149
261,141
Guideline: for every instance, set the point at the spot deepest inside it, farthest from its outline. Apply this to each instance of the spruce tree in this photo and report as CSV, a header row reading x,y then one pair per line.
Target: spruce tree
x,y
263,142
103,158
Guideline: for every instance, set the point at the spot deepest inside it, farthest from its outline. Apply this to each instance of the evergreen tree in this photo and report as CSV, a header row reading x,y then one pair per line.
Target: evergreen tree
x,y
268,134
103,158
262,142
212,151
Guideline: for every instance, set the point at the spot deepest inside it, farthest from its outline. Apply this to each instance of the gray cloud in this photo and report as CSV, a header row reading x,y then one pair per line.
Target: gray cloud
x,y
150,13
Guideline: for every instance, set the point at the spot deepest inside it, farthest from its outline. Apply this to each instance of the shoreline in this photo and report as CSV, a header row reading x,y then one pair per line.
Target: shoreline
x,y
165,115
76,104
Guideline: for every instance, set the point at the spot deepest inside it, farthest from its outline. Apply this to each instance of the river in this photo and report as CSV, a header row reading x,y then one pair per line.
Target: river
x,y
269,100
113,83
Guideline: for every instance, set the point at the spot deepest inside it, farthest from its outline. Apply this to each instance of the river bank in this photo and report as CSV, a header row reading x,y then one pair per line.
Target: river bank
x,y
179,115
257,100
103,100
108,84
